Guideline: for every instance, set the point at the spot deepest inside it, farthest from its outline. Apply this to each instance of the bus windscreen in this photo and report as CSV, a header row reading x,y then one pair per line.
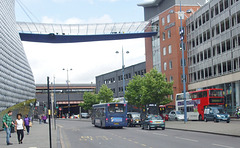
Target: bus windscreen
x,y
215,93
116,108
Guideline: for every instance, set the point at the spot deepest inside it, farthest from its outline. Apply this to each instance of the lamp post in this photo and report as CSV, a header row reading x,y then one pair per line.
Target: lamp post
x,y
123,67
181,16
68,90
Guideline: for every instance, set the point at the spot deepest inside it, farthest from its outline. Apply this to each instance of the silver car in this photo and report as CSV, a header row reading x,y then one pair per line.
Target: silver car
x,y
176,115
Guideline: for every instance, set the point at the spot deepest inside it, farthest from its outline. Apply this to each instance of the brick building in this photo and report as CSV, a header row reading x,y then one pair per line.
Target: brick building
x,y
163,50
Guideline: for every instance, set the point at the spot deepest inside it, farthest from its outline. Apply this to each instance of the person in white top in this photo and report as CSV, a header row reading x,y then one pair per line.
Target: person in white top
x,y
19,127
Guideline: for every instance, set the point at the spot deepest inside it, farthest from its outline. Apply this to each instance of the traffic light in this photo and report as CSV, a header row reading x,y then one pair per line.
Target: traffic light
x,y
181,34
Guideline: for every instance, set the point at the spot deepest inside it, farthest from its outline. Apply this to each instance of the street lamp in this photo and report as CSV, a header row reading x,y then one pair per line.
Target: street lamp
x,y
181,16
123,67
68,90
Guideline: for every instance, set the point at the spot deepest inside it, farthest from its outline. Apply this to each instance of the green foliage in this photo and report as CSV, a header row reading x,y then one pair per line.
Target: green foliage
x,y
133,94
152,88
90,99
105,94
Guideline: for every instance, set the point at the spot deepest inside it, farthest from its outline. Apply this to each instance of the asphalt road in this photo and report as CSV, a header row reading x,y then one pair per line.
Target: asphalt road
x,y
83,134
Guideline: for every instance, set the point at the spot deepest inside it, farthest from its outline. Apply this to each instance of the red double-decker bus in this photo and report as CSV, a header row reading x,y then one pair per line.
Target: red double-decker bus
x,y
197,100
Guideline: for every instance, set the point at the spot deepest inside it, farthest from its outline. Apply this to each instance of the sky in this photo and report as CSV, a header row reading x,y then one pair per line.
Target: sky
x,y
87,60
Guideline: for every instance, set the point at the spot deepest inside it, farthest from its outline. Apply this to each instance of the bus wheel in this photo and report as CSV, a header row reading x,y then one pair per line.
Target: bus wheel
x,y
200,117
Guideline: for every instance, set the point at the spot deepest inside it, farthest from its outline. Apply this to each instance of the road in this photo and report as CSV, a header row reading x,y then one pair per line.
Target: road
x,y
83,134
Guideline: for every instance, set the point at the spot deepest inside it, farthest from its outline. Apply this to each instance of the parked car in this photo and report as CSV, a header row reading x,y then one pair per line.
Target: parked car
x,y
216,114
153,121
176,115
85,115
133,119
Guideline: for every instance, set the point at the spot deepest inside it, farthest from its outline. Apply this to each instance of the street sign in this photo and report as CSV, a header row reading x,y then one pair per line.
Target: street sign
x,y
180,15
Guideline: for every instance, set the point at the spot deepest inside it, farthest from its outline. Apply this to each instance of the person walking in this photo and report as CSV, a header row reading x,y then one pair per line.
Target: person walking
x,y
26,122
7,122
19,128
44,118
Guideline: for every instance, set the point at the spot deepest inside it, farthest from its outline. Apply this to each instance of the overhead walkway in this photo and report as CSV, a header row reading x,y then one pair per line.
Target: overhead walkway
x,y
70,33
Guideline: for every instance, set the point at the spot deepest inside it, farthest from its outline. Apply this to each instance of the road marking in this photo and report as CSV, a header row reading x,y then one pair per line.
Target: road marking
x,y
135,142
160,134
129,140
187,139
219,145
60,126
143,145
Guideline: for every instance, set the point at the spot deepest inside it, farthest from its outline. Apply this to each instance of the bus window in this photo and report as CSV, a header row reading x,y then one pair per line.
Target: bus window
x,y
113,108
204,94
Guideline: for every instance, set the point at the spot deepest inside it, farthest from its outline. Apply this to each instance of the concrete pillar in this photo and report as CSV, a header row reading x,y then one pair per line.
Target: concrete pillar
x,y
237,90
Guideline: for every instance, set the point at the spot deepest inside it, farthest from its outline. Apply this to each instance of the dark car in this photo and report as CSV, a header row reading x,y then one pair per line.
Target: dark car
x,y
153,121
133,119
216,114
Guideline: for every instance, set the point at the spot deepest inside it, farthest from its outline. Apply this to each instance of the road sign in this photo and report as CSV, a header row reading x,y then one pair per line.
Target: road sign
x,y
180,15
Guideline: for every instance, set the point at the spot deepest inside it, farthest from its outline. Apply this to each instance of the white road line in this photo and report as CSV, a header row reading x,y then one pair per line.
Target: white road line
x,y
187,139
219,145
160,134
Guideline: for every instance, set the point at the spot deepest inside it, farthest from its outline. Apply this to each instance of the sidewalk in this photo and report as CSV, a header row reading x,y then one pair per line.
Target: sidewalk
x,y
221,128
38,138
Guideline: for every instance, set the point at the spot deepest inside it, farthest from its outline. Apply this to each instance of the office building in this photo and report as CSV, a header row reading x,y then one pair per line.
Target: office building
x,y
114,79
213,43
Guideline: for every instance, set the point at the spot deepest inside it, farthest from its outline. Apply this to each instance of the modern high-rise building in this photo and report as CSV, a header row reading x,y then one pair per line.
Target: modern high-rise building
x,y
16,78
213,43
163,50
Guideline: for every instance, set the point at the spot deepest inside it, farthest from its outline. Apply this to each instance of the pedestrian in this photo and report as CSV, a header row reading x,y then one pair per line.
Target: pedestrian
x,y
44,118
7,122
19,128
27,122
40,119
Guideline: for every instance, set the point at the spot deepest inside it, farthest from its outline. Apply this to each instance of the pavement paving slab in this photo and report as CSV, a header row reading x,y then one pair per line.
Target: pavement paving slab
x,y
221,128
38,137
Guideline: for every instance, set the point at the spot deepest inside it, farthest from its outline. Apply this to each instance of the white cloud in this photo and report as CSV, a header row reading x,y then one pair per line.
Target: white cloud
x,y
103,19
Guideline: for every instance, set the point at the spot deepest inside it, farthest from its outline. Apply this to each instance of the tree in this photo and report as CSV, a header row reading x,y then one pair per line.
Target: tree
x,y
156,89
90,99
150,89
105,94
133,94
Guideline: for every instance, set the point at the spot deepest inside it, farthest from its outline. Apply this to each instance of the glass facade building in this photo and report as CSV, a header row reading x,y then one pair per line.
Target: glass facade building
x,y
16,78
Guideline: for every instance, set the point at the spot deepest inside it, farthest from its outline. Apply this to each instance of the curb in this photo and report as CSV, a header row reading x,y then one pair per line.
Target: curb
x,y
213,133
75,120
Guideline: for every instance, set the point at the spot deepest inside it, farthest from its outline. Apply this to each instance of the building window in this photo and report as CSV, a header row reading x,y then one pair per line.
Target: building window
x,y
212,12
213,30
164,51
221,6
165,65
170,64
227,24
169,33
226,4
223,46
184,62
169,49
216,9
168,18
171,78
163,21
163,36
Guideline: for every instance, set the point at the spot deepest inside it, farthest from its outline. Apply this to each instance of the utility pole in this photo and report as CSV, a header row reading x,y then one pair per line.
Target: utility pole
x,y
49,114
